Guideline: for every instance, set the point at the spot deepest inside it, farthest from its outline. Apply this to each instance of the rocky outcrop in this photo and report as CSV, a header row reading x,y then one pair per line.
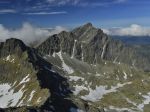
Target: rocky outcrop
x,y
38,88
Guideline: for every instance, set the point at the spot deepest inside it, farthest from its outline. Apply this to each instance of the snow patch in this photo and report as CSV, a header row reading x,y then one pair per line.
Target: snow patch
x,y
65,67
120,109
100,91
54,54
10,59
145,102
97,74
78,89
7,95
75,78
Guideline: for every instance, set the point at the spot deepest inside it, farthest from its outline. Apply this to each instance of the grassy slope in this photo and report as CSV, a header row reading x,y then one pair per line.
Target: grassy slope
x,y
108,74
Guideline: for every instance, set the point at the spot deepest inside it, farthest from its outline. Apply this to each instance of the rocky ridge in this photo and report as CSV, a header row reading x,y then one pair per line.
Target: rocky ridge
x,y
83,70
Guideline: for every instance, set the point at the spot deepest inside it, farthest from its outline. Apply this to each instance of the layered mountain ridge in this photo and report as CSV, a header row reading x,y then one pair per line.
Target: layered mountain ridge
x,y
91,45
83,70
28,83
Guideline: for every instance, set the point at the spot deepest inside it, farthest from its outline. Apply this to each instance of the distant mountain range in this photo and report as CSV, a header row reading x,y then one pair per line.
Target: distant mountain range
x,y
140,40
83,70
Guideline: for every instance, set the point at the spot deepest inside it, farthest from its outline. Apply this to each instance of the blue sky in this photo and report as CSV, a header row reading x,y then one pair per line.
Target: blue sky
x,y
71,13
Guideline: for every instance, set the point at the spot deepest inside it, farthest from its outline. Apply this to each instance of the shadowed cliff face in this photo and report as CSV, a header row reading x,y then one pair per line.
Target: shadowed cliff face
x,y
32,80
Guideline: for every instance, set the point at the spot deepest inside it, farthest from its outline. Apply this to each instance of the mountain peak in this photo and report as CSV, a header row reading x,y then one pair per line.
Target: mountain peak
x,y
88,24
15,41
12,45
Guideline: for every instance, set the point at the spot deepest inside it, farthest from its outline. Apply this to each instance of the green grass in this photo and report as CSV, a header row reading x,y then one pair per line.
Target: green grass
x,y
12,72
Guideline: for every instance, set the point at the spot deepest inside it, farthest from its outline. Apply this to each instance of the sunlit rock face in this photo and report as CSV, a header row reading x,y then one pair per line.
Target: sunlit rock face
x,y
89,44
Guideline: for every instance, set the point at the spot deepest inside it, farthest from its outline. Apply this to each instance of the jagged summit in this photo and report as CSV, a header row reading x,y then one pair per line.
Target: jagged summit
x,y
88,25
90,44
14,42
12,45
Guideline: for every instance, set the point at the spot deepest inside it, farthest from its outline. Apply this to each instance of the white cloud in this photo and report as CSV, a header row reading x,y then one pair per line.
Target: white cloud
x,y
46,13
63,2
83,3
120,1
132,30
50,1
3,11
29,33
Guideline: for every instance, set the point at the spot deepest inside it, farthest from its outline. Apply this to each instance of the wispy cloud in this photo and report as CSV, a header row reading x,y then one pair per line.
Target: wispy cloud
x,y
44,7
29,33
4,2
46,13
84,2
132,30
40,7
120,1
4,11
63,2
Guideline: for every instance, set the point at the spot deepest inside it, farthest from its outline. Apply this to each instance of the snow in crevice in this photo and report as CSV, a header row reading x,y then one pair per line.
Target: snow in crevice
x,y
7,95
9,59
39,100
31,95
65,67
82,55
103,50
54,54
25,79
125,75
74,47
145,102
131,102
49,69
100,91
